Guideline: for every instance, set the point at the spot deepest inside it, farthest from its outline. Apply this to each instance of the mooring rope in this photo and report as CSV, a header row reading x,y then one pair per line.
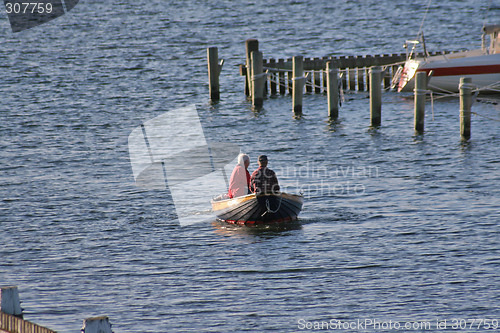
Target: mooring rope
x,y
480,115
258,76
268,206
272,69
474,89
307,83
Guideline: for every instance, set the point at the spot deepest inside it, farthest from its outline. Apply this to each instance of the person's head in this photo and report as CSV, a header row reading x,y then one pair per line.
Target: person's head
x,y
244,159
262,160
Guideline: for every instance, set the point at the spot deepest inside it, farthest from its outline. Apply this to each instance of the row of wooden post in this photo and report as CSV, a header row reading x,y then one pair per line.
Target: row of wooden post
x,y
465,89
255,86
11,317
375,87
298,82
316,80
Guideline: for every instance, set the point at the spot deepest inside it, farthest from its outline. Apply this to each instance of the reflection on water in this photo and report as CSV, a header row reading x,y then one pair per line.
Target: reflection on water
x,y
264,231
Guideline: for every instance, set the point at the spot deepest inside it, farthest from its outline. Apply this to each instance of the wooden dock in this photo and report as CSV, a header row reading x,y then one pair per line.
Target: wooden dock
x,y
277,74
333,76
353,72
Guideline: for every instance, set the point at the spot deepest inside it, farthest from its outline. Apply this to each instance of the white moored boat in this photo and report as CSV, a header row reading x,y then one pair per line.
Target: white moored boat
x,y
444,71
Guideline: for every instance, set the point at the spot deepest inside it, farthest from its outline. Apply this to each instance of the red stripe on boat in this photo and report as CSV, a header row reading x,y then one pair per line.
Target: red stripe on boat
x,y
464,70
253,223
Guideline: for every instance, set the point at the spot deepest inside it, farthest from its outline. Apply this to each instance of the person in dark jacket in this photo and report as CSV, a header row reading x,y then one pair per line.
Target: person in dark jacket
x,y
264,180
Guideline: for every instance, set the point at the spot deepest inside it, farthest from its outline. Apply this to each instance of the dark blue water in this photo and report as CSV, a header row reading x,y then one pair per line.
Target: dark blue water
x,y
395,227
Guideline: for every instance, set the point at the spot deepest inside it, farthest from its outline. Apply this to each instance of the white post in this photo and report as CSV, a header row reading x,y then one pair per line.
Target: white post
x,y
97,325
10,302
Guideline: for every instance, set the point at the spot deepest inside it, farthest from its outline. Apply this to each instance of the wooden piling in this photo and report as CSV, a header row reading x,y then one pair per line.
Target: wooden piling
x,y
344,79
361,82
10,302
273,77
332,88
243,72
375,96
317,82
324,78
420,94
290,82
367,76
298,84
465,107
97,325
352,79
257,79
282,81
250,45
214,69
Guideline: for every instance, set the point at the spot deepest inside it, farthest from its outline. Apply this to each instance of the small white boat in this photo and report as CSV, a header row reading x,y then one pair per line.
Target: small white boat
x,y
444,71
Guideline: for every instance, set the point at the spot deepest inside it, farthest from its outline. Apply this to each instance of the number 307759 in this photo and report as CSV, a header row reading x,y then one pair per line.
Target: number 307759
x,y
28,8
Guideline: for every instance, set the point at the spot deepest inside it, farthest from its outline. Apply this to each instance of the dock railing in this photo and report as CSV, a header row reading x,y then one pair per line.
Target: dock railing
x,y
353,71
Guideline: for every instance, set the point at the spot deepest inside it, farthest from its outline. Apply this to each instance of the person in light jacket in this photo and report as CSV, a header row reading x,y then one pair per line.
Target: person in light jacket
x,y
240,178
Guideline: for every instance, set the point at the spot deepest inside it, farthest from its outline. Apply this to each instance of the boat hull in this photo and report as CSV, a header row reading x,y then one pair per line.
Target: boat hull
x,y
445,72
255,209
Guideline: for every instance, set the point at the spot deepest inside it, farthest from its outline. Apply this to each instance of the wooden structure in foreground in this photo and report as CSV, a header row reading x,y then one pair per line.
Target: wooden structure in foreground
x,y
11,317
14,324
